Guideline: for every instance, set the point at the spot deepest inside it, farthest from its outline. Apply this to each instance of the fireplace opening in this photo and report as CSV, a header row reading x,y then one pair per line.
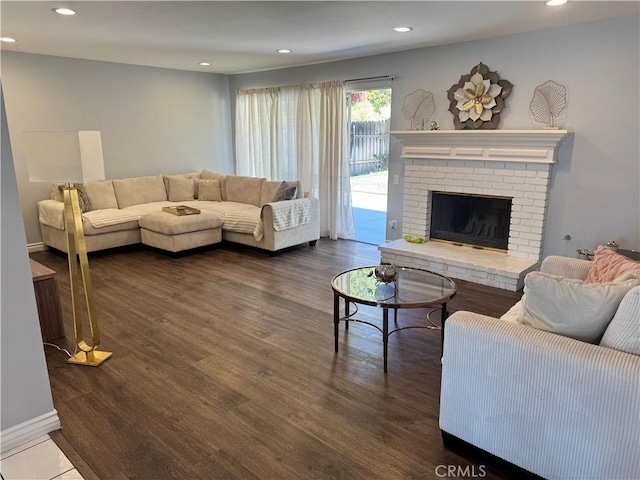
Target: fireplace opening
x,y
476,220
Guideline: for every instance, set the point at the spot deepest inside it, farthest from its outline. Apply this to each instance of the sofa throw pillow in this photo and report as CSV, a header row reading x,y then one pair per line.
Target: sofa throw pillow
x,y
284,192
631,274
57,193
570,307
513,314
299,190
268,191
609,265
181,189
139,190
83,198
101,195
209,190
623,333
193,175
243,189
209,175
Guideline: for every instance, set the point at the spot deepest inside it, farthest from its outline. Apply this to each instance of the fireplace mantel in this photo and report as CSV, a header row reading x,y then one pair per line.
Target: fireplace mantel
x,y
532,146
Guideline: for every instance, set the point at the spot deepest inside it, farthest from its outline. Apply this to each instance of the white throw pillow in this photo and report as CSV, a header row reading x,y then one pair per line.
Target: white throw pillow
x,y
571,307
513,314
623,333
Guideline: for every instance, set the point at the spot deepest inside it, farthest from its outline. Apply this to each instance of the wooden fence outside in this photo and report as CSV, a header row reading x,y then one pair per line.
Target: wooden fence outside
x,y
369,147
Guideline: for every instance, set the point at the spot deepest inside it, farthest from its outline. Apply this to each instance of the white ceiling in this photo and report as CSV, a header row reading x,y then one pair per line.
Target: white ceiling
x,y
243,36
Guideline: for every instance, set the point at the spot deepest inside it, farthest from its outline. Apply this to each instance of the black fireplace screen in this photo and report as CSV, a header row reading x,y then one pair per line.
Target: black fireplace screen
x,y
469,219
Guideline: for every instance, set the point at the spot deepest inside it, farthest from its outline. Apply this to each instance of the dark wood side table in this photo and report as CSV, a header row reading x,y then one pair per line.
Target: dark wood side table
x,y
48,302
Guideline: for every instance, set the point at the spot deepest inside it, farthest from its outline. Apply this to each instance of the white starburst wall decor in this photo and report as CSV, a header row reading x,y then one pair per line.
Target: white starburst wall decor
x,y
548,107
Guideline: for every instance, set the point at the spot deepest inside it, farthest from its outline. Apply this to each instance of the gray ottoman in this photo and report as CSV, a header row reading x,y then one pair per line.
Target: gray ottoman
x,y
177,233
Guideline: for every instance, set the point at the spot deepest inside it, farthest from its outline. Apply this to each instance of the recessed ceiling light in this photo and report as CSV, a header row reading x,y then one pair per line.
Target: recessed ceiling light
x,y
402,29
204,64
8,40
64,11
556,3
283,50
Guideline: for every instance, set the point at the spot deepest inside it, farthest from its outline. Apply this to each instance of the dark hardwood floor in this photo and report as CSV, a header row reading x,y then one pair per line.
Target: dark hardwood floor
x,y
223,367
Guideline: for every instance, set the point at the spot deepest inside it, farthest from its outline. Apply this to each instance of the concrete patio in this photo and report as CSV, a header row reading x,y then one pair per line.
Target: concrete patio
x,y
369,202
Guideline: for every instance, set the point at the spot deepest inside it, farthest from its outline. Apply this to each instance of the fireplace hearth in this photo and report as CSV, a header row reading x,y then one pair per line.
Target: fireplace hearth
x,y
477,220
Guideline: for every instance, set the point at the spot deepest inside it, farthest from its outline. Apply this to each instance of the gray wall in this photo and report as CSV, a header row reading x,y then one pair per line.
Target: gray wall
x,y
25,389
152,120
595,192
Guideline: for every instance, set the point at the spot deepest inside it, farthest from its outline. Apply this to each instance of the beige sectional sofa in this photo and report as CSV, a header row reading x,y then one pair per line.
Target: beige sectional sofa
x,y
233,208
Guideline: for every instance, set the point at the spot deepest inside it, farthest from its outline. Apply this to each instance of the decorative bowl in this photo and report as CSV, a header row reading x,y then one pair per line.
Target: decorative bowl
x,y
386,272
413,239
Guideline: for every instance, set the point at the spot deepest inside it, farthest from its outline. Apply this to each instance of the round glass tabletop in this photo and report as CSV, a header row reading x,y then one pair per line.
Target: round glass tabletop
x,y
414,288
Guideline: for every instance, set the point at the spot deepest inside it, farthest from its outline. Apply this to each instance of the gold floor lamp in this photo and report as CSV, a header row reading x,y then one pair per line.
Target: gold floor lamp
x,y
72,157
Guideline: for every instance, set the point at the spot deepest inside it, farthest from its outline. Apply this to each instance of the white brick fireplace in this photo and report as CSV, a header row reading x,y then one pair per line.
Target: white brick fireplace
x,y
504,163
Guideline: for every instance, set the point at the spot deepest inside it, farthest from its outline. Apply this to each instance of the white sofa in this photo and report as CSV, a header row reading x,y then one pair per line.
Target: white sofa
x,y
552,405
113,210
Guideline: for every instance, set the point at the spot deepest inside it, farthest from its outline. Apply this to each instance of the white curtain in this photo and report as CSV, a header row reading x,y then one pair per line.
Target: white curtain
x,y
300,132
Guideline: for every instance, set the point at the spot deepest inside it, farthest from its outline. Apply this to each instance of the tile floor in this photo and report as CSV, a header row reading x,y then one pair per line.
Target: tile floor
x,y
39,459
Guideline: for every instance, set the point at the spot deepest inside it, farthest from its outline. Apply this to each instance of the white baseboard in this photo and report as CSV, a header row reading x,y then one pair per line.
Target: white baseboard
x,y
37,247
31,429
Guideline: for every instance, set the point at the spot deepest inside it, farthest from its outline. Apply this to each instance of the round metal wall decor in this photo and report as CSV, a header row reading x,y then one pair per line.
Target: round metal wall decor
x,y
478,98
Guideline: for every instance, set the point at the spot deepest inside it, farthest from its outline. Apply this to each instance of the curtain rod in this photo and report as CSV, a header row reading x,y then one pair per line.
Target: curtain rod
x,y
380,77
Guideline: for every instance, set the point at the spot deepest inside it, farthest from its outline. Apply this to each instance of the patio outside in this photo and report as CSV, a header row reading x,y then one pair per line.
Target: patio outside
x,y
369,201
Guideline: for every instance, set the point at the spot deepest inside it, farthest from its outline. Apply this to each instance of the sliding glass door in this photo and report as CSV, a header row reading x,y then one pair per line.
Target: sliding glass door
x,y
369,120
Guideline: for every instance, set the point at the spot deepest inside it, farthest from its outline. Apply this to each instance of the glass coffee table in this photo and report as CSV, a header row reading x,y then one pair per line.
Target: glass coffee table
x,y
414,288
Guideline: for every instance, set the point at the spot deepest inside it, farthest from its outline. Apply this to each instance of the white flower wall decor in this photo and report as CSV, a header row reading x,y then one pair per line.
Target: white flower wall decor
x,y
478,98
